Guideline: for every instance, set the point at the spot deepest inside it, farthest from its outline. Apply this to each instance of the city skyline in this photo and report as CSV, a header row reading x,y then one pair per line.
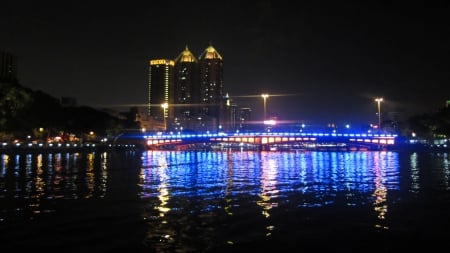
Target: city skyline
x,y
331,60
192,92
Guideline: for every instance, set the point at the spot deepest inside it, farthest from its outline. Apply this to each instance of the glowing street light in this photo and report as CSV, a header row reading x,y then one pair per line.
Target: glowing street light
x,y
164,106
265,96
379,100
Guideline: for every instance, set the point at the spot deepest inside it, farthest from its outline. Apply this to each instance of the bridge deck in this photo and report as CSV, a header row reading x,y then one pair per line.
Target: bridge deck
x,y
365,139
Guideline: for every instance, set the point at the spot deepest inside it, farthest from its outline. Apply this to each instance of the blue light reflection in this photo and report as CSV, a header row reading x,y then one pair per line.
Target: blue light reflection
x,y
314,178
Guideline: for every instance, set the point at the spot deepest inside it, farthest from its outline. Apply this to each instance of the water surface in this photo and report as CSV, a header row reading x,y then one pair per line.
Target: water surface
x,y
193,201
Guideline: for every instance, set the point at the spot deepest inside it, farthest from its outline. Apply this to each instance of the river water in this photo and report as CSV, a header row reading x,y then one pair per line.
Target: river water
x,y
211,201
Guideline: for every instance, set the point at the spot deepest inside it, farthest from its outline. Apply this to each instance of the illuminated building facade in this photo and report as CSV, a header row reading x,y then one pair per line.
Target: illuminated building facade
x,y
160,88
193,88
211,88
8,68
186,95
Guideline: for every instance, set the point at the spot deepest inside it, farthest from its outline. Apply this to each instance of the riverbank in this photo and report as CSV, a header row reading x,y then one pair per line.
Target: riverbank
x,y
86,147
68,147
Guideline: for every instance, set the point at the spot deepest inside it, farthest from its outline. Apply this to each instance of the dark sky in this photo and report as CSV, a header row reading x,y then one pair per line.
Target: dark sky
x,y
325,61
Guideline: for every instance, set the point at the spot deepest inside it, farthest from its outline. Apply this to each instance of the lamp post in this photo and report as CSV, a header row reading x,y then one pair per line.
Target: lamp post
x,y
379,100
265,96
164,106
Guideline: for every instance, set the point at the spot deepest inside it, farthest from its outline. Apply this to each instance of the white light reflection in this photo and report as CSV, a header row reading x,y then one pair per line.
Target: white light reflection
x,y
38,184
163,196
441,174
380,193
413,161
90,175
229,188
103,184
54,175
445,165
163,188
154,180
4,161
268,186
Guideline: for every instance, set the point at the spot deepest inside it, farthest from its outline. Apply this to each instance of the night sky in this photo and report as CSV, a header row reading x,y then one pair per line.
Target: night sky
x,y
319,61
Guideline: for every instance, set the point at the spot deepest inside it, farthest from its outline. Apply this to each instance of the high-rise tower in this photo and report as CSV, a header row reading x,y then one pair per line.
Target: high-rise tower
x,y
160,89
211,86
186,94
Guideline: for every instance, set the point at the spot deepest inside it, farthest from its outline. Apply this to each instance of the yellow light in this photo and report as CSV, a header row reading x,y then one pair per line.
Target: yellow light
x,y
164,106
265,96
162,62
379,100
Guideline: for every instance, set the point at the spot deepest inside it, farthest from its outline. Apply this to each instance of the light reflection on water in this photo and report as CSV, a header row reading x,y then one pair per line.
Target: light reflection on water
x,y
319,175
213,185
206,201
30,182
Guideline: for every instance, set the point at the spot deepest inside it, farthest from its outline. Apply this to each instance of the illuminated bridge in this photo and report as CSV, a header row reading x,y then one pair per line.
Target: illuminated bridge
x,y
272,140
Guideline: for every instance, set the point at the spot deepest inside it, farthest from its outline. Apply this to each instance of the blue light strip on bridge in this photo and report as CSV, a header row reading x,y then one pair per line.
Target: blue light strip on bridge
x,y
265,134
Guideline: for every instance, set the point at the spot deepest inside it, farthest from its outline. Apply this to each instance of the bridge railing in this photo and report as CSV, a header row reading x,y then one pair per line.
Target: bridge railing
x,y
262,137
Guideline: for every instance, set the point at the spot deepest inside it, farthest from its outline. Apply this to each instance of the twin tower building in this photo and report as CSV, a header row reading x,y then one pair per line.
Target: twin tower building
x,y
187,93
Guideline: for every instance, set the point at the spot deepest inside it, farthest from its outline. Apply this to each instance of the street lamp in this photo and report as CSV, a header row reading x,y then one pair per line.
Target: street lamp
x,y
379,100
164,106
265,96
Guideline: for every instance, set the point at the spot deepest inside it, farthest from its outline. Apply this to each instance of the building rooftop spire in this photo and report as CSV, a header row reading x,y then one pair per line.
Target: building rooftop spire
x,y
210,53
186,56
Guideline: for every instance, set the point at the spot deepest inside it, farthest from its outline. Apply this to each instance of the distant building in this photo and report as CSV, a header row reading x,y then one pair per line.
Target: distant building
x,y
211,88
8,68
229,116
193,89
186,91
161,89
245,118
